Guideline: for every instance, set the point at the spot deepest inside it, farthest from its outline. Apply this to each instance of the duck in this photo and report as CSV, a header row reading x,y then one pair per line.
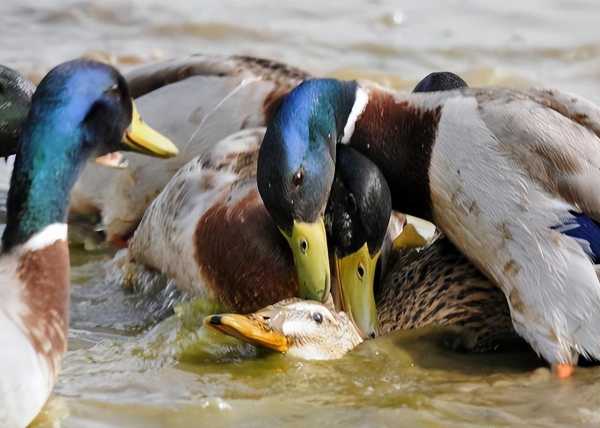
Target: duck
x,y
208,231
450,291
231,84
80,110
198,101
303,329
425,287
505,174
15,100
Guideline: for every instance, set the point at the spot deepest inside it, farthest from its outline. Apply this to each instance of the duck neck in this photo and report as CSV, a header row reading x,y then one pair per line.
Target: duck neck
x,y
42,179
398,137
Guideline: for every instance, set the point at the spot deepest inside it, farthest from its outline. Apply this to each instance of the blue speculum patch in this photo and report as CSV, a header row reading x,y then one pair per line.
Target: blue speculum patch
x,y
586,231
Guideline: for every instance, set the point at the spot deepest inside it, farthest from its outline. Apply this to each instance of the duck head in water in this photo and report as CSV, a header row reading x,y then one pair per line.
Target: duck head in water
x,y
301,328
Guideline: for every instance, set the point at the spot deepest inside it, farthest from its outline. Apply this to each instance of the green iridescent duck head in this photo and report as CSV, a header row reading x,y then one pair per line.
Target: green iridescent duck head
x,y
296,165
81,109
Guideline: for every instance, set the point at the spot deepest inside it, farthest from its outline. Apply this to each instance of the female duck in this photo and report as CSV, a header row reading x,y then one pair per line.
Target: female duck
x,y
435,286
432,286
81,109
515,167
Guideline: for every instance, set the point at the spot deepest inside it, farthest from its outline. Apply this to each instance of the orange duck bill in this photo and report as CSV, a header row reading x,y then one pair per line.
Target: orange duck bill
x,y
248,328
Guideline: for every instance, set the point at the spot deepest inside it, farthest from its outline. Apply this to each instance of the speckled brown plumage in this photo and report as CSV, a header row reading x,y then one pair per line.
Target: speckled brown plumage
x,y
437,285
270,69
283,75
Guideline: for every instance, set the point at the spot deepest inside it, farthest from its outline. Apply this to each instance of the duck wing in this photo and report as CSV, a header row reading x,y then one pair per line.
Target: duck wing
x,y
565,161
521,200
572,163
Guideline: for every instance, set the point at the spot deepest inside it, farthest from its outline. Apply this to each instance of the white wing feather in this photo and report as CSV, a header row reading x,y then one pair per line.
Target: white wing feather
x,y
498,199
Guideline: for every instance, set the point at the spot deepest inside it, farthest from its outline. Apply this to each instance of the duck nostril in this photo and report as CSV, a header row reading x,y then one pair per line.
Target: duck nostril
x,y
303,246
215,319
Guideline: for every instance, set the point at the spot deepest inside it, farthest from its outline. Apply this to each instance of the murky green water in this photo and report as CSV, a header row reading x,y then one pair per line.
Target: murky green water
x,y
125,370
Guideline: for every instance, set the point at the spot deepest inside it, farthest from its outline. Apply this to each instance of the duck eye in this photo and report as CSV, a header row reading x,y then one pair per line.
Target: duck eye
x,y
113,91
298,177
317,317
303,245
360,271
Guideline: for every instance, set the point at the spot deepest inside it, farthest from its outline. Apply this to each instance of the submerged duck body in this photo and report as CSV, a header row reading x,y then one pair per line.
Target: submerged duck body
x,y
506,175
430,286
60,133
437,285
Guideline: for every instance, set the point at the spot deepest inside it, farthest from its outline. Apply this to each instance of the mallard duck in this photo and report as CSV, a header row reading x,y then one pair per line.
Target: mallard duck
x,y
80,109
15,99
198,101
432,286
508,176
209,231
214,96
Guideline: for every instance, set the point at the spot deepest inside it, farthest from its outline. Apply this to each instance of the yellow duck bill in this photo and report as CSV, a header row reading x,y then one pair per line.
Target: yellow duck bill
x,y
141,138
356,278
308,242
248,329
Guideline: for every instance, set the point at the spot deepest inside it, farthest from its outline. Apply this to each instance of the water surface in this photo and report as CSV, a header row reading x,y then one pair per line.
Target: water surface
x,y
123,369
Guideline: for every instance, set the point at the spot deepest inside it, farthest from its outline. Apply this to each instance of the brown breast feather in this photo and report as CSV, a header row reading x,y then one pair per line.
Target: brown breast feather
x,y
242,256
399,137
45,277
